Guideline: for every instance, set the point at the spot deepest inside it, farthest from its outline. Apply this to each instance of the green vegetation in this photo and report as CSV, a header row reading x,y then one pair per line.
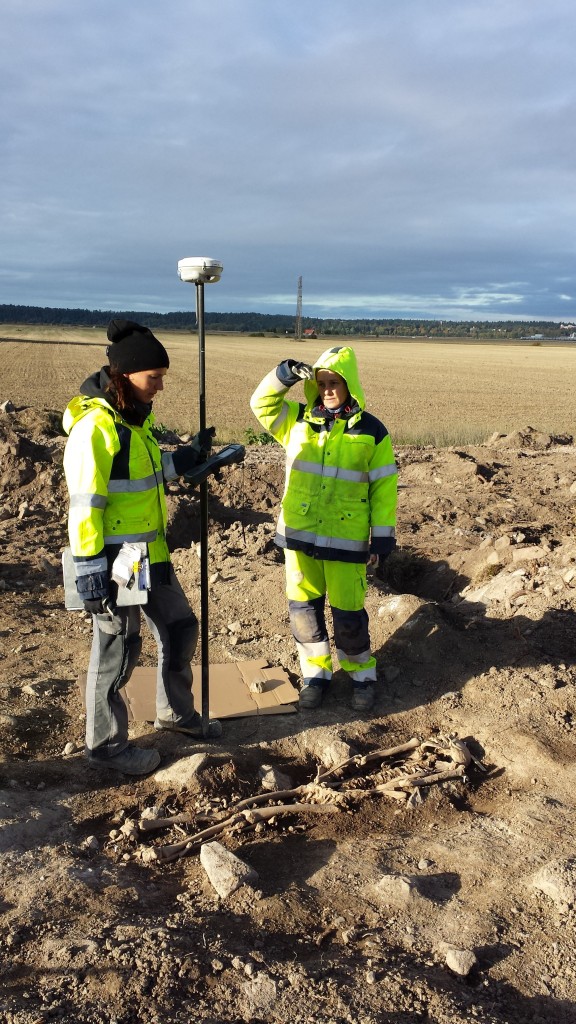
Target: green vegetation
x,y
252,437
270,325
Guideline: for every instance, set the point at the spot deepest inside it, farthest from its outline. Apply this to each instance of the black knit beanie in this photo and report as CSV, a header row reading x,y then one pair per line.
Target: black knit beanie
x,y
134,348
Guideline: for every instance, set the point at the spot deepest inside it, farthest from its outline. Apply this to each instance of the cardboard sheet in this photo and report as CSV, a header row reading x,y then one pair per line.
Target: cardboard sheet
x,y
232,691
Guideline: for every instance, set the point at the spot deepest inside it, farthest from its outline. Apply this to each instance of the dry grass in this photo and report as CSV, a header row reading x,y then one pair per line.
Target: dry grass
x,y
425,392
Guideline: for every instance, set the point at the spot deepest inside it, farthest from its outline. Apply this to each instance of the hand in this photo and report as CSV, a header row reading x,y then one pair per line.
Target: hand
x,y
204,439
92,589
291,371
100,606
373,560
302,370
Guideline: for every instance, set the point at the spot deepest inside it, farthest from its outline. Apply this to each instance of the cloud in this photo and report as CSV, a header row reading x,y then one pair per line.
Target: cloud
x,y
399,157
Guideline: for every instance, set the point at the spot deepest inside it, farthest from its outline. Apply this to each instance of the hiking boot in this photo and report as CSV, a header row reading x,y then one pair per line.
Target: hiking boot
x,y
362,698
310,696
130,761
193,728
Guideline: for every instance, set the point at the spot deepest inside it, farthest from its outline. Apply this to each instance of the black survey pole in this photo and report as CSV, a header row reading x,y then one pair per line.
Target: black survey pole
x,y
199,270
203,515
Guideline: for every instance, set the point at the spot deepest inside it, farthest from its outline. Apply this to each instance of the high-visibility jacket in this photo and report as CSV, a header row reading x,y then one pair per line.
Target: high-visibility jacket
x,y
341,479
116,484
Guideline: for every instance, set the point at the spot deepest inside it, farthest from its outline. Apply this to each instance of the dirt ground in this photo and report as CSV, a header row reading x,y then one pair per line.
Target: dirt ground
x,y
456,904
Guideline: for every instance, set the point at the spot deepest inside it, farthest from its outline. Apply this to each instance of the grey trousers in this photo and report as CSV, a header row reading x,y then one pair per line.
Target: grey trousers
x,y
116,646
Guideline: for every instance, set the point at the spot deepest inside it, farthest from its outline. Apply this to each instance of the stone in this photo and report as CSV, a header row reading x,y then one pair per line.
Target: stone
x,y
557,880
394,890
460,961
530,553
273,779
225,870
181,772
260,993
500,588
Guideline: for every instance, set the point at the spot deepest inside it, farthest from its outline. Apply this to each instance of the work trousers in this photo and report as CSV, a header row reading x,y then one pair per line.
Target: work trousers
x,y
116,646
308,582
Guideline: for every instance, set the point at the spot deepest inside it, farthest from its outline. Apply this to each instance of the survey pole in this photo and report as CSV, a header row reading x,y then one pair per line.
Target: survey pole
x,y
199,270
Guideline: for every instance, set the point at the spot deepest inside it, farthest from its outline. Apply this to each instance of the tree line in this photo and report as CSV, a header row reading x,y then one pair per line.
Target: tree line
x,y
280,324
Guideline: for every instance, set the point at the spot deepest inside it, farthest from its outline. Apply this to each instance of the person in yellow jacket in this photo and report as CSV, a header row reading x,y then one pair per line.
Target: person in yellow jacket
x,y
115,473
338,513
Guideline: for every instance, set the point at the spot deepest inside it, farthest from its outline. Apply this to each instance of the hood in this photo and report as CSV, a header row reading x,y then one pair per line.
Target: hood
x,y
342,360
92,394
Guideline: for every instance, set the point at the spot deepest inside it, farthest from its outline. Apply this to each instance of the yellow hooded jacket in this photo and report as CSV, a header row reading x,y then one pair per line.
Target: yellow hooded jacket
x,y
114,475
340,493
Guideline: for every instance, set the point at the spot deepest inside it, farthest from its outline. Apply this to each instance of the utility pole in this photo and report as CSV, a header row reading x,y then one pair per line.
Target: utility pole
x,y
298,328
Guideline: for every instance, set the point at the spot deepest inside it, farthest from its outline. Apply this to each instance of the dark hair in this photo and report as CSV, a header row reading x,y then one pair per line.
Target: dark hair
x,y
122,391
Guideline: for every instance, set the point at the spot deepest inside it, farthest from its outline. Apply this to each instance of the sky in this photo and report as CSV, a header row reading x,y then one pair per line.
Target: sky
x,y
406,159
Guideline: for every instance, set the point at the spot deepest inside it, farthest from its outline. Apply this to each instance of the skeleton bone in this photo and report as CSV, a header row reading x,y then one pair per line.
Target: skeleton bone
x,y
148,824
376,755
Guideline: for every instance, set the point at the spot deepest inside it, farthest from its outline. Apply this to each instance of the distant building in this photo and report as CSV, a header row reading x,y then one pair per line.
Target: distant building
x,y
309,332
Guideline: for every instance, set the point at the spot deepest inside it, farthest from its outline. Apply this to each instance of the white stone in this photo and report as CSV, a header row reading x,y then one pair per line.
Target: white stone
x,y
557,880
394,890
273,779
461,961
261,994
181,771
225,870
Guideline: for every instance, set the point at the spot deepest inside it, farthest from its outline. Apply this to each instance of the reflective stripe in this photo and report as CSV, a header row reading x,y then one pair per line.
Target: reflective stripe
x,y
315,661
88,501
362,675
377,474
318,469
119,538
314,650
320,541
168,466
274,383
383,531
279,419
146,483
87,568
361,669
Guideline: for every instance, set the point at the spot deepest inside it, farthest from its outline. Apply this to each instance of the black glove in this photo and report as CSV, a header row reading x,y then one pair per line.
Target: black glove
x,y
93,590
193,454
291,371
203,441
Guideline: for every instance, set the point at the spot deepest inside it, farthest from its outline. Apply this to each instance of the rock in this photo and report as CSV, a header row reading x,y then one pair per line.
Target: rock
x,y
461,961
225,871
393,890
335,752
530,553
326,746
273,779
500,588
557,880
182,771
33,689
260,994
150,813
